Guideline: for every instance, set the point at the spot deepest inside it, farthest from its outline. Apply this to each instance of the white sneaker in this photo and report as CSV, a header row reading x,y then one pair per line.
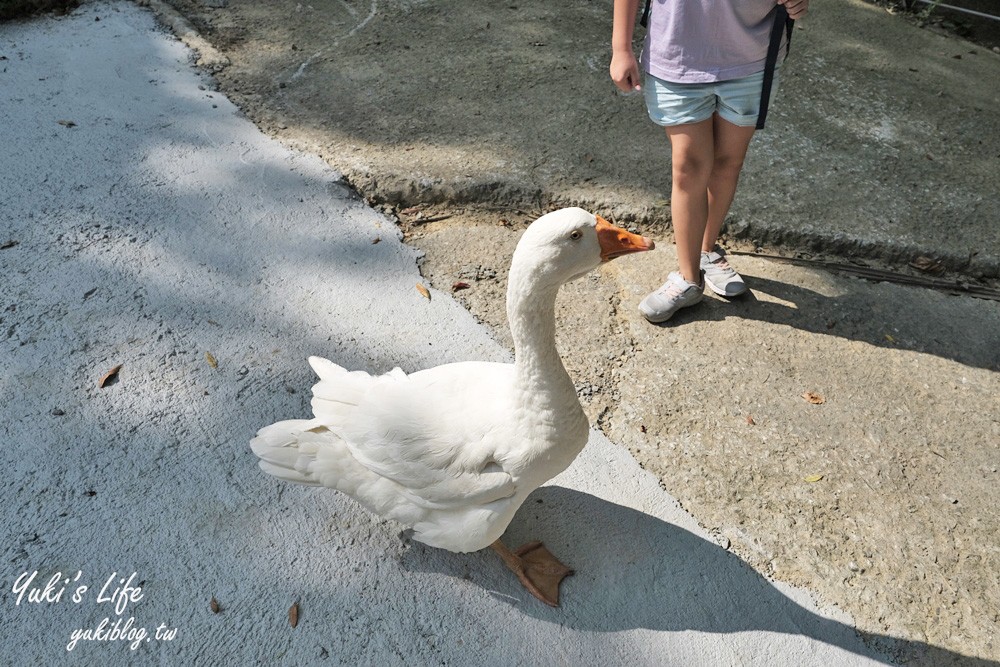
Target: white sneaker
x,y
720,277
671,296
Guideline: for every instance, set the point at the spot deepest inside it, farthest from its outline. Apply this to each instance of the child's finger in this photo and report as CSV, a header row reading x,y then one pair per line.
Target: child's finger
x,y
796,8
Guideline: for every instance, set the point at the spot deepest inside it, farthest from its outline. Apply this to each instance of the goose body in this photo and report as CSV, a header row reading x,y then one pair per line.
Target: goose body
x,y
407,448
453,451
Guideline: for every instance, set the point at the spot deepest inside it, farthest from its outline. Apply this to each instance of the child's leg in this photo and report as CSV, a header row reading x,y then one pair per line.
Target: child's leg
x,y
730,148
692,155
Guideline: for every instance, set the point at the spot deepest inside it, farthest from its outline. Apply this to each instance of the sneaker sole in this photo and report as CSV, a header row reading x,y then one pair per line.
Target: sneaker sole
x,y
661,320
657,320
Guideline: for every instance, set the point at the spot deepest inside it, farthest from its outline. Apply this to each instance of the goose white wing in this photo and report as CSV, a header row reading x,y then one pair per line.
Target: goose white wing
x,y
438,433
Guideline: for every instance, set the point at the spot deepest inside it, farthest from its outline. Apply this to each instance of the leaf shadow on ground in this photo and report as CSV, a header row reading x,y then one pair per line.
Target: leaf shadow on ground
x,y
849,136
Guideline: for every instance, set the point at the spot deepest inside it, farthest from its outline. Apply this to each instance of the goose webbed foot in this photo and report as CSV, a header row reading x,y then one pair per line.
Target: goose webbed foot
x,y
536,568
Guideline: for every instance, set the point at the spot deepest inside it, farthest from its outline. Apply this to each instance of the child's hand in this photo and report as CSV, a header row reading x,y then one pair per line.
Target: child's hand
x,y
796,8
625,71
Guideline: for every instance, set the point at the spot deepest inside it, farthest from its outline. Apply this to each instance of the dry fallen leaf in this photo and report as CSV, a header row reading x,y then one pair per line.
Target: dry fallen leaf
x,y
214,605
423,290
812,478
66,123
411,210
927,265
293,614
459,285
813,398
890,339
750,420
378,239
108,377
8,244
212,361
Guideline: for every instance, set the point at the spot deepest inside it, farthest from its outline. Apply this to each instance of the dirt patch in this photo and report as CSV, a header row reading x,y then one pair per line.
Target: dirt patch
x,y
426,107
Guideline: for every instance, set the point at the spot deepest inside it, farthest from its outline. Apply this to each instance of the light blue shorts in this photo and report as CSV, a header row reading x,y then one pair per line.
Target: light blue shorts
x,y
736,100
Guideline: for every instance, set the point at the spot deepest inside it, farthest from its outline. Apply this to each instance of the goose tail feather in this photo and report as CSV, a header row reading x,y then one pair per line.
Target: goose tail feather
x,y
339,392
285,453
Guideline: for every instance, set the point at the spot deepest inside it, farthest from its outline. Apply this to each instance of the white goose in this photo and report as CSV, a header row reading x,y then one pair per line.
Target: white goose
x,y
453,451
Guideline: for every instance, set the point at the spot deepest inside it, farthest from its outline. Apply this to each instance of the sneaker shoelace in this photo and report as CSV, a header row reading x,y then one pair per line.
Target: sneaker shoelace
x,y
722,264
672,290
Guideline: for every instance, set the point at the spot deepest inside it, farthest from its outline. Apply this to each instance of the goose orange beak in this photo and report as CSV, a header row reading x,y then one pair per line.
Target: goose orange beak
x,y
616,242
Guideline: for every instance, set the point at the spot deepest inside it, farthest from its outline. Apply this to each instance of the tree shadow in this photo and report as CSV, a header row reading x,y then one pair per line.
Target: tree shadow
x,y
636,571
855,107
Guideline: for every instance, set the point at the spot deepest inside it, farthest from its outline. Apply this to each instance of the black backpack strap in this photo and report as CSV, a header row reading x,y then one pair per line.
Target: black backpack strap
x,y
789,24
782,24
644,21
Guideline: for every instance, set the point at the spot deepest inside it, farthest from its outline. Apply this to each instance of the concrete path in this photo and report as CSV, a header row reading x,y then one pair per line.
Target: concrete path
x,y
146,224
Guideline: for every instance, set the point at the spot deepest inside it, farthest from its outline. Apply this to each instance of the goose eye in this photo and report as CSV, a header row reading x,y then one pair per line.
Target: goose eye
x,y
575,234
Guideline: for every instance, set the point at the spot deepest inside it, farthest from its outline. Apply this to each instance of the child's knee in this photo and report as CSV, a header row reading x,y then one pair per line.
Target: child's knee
x,y
691,169
728,164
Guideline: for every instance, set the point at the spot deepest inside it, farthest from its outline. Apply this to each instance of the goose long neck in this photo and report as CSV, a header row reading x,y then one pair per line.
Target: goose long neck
x,y
531,314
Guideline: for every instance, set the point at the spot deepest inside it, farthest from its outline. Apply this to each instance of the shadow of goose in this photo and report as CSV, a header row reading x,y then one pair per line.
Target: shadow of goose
x,y
635,571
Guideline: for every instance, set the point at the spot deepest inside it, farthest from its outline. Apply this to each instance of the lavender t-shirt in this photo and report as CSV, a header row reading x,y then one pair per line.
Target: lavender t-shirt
x,y
698,41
